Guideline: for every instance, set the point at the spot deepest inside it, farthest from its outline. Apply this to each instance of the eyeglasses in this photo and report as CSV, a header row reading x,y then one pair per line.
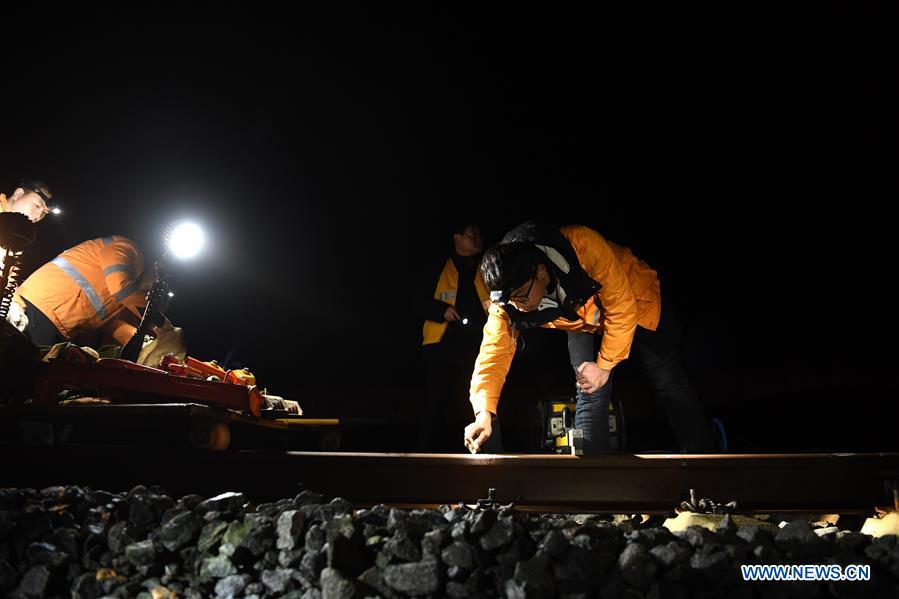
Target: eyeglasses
x,y
526,295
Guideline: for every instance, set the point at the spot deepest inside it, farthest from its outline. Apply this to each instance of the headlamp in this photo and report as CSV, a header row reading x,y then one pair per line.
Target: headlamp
x,y
500,297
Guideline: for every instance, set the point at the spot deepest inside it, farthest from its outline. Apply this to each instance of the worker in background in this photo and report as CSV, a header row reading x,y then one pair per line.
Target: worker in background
x,y
90,294
29,198
452,300
609,303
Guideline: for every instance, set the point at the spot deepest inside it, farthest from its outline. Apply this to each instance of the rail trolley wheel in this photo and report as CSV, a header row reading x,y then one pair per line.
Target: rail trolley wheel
x,y
212,435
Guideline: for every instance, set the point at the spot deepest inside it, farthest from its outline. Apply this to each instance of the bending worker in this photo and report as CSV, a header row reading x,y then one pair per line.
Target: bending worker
x,y
90,294
573,279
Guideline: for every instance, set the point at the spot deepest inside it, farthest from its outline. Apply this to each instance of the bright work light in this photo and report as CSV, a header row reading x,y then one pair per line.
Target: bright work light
x,y
186,240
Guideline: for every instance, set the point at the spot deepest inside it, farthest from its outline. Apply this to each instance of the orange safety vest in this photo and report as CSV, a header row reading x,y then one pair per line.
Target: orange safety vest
x,y
91,286
445,291
630,295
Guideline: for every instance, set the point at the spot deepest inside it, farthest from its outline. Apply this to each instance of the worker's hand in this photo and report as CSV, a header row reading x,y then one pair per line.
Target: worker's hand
x,y
168,340
16,317
591,378
477,433
165,327
450,314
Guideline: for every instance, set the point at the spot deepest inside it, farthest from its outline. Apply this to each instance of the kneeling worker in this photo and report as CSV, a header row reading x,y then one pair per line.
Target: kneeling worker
x,y
91,294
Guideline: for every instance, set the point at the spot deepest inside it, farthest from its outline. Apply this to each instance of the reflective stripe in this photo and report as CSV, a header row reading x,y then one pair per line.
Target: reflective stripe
x,y
126,291
117,268
86,287
447,296
107,240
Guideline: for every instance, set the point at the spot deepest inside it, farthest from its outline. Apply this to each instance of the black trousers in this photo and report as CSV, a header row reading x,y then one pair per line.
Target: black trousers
x,y
41,329
655,355
446,410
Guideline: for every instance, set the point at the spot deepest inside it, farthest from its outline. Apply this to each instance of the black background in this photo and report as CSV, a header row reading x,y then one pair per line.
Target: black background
x,y
749,157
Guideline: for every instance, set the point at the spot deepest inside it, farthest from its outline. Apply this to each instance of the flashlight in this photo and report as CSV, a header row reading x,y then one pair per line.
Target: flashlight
x,y
56,210
465,320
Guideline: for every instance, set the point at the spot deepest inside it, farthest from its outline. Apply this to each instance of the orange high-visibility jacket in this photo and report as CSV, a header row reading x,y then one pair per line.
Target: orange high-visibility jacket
x,y
91,286
630,295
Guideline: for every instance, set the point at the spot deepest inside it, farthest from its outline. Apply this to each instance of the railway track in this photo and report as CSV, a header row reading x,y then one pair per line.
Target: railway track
x,y
837,483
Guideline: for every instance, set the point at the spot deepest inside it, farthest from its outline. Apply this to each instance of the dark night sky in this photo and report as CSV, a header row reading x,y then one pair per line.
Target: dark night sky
x,y
750,158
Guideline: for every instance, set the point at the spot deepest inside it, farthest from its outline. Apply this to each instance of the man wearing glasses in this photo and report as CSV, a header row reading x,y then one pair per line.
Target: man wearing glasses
x,y
609,303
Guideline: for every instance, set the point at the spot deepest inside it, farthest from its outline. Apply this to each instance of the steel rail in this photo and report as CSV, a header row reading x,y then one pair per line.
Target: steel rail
x,y
840,483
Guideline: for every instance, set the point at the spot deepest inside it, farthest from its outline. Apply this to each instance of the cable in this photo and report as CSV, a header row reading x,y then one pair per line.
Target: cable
x,y
9,280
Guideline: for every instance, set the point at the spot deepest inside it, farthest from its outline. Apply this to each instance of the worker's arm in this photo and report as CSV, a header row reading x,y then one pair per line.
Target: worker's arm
x,y
121,327
619,308
493,361
122,264
167,339
490,370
